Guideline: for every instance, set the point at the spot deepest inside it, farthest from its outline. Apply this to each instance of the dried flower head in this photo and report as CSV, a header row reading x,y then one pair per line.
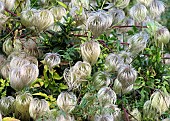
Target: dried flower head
x,y
9,4
127,22
2,60
149,112
145,2
126,57
22,104
162,35
90,51
160,101
101,79
167,58
106,96
66,101
43,19
6,105
38,108
138,12
64,118
156,8
5,70
78,15
98,22
137,43
18,62
52,59
58,12
112,63
126,75
80,3
118,15
121,3
105,117
136,115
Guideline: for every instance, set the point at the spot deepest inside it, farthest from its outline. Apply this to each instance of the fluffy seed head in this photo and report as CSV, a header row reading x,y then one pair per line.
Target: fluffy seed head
x,y
136,115
105,117
126,75
167,61
106,96
6,105
138,12
58,12
38,107
66,101
9,4
145,2
64,118
52,59
90,51
2,6
156,8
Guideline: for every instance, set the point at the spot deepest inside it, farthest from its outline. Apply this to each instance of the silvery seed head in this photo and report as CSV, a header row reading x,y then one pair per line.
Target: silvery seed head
x,y
121,3
27,18
58,12
162,35
156,8
2,6
43,19
167,58
64,118
5,70
112,62
22,104
3,18
7,46
127,22
149,112
6,105
160,101
138,12
166,119
52,59
106,96
136,115
2,60
0,116
90,51
78,15
67,101
101,79
137,43
29,74
72,79
18,62
15,54
126,57
38,108
82,69
145,2
9,4
117,14
126,75
98,22
80,3
104,117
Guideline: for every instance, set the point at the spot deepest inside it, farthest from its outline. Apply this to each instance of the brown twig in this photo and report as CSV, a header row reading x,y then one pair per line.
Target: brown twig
x,y
10,12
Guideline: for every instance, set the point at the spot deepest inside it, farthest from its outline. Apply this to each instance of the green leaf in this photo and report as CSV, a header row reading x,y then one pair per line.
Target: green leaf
x,y
62,4
41,94
62,86
57,76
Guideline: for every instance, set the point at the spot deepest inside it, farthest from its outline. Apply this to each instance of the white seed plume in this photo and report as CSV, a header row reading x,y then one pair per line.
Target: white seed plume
x,y
6,105
156,8
18,62
80,3
101,79
126,57
162,35
160,101
43,19
112,63
58,12
67,101
106,96
5,70
137,43
90,51
127,22
9,4
126,75
52,59
2,6
145,2
138,12
121,3
64,118
136,115
167,58
104,117
38,108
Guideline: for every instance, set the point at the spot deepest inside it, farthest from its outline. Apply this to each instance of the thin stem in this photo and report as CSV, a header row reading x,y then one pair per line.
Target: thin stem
x,y
10,12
